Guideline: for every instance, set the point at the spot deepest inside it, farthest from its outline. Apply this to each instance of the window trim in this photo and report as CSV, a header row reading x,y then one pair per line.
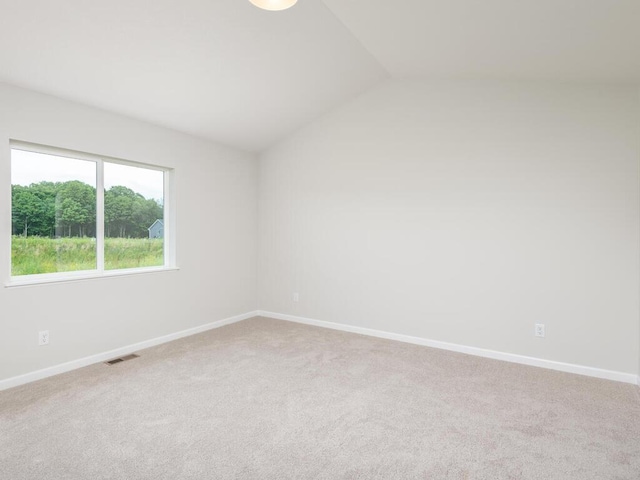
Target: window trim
x,y
99,271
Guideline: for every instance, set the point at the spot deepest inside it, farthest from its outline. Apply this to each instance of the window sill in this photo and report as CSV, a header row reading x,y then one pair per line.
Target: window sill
x,y
79,276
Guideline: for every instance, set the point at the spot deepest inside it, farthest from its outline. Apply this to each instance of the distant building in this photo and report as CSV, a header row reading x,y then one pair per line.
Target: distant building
x,y
157,229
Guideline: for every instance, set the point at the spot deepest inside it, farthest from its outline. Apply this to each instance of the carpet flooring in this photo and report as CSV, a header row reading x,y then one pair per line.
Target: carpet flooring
x,y
267,399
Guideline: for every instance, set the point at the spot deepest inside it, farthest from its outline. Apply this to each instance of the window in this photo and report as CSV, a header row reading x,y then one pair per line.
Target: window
x,y
133,208
75,214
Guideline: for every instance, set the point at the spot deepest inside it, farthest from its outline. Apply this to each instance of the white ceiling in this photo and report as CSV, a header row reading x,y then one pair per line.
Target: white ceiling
x,y
224,70
555,40
220,69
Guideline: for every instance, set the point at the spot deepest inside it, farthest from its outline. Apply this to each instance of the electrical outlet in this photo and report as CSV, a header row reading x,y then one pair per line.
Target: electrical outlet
x,y
539,330
43,337
296,297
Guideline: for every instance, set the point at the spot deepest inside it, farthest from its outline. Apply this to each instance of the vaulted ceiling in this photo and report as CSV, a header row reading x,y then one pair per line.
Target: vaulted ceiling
x,y
549,40
226,71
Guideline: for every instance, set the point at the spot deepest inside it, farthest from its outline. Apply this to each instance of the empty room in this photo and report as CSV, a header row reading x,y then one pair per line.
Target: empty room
x,y
320,239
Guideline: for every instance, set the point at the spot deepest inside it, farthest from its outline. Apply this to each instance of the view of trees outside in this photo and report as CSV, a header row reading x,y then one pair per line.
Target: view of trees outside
x,y
128,214
54,222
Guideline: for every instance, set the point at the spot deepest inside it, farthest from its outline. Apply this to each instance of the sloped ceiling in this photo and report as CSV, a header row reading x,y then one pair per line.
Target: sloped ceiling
x,y
219,69
549,40
226,71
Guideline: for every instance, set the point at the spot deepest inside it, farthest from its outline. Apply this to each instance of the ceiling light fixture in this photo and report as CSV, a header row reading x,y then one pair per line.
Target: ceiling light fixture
x,y
274,5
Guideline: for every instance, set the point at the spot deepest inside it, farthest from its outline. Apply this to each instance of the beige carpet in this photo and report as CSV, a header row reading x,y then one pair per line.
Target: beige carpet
x,y
265,399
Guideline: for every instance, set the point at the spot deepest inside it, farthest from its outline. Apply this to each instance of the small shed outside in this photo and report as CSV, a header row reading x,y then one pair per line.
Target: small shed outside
x,y
156,230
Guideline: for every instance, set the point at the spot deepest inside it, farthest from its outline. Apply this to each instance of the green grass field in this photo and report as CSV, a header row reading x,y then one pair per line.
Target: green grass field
x,y
32,255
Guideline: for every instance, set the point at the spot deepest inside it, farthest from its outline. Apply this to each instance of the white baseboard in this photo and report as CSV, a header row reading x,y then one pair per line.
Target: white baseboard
x,y
480,352
508,357
118,352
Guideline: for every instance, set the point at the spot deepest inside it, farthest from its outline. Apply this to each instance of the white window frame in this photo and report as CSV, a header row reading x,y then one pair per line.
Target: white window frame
x,y
100,272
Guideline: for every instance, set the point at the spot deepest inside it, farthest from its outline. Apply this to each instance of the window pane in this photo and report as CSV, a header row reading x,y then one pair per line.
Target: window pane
x,y
133,217
53,213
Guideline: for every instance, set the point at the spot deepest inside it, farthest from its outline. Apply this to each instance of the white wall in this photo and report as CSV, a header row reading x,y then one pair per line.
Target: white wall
x,y
216,195
464,213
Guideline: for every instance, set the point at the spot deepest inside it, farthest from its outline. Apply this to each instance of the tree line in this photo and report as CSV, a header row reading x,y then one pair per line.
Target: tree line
x,y
68,209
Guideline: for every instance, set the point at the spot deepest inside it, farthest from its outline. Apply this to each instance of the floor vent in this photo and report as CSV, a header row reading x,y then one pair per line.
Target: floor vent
x,y
122,359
